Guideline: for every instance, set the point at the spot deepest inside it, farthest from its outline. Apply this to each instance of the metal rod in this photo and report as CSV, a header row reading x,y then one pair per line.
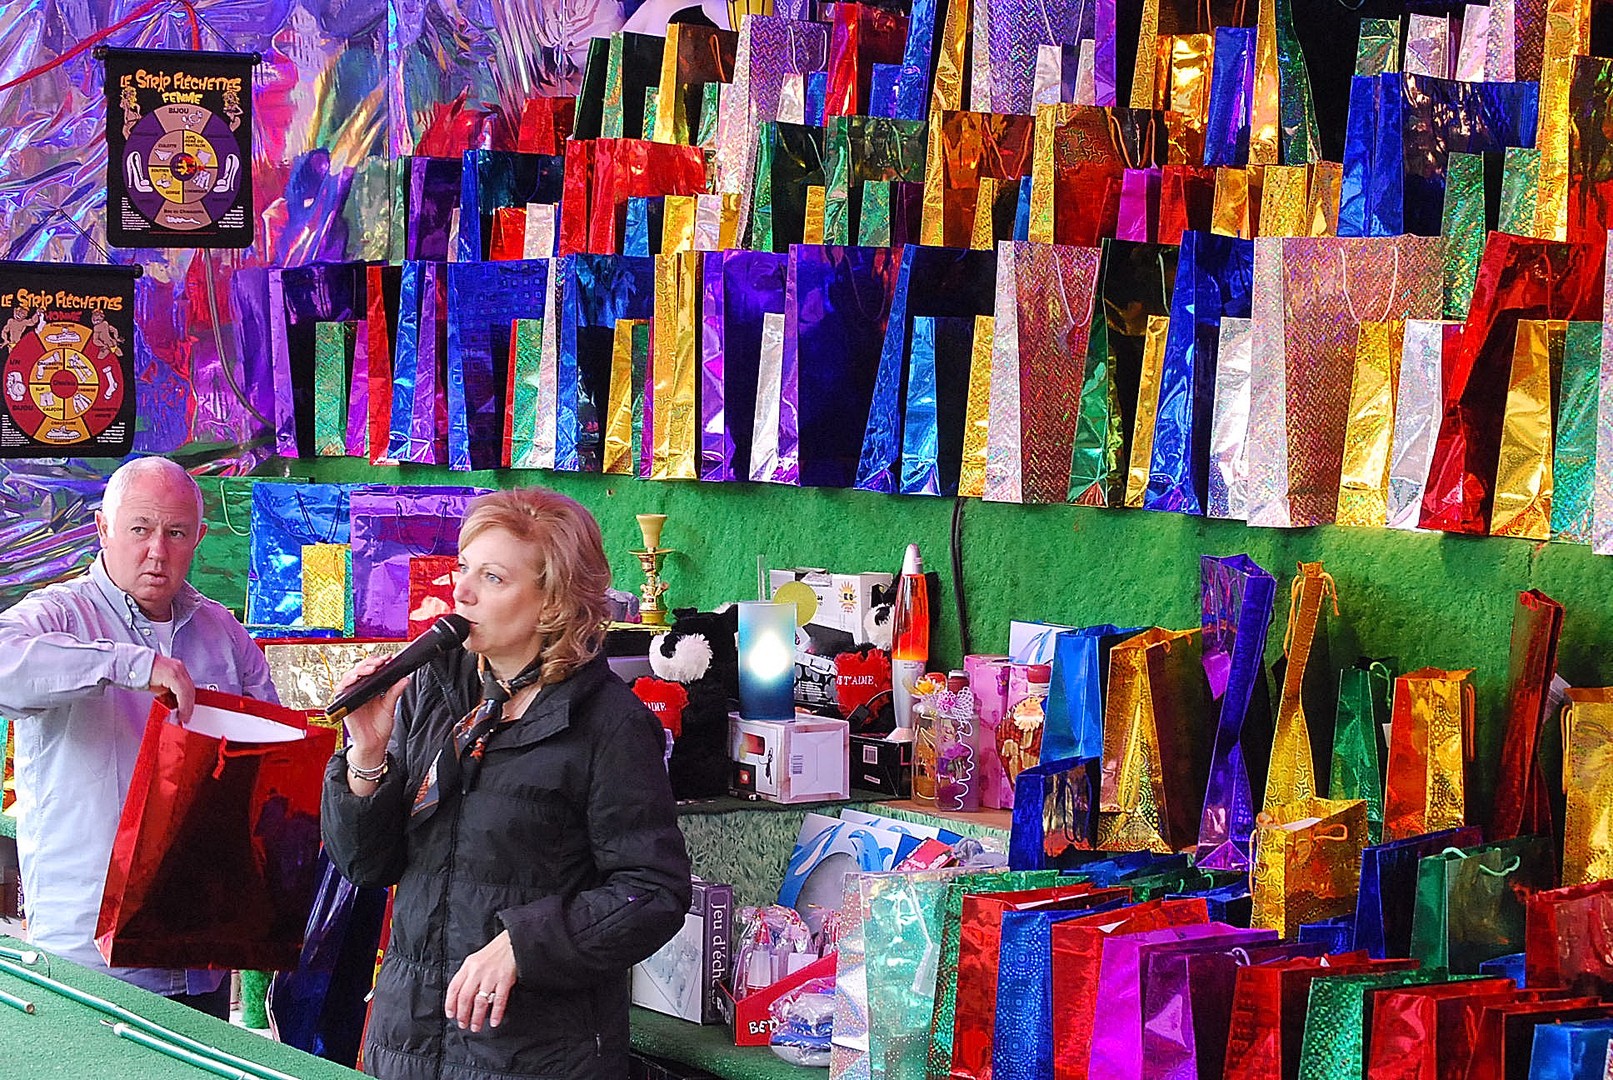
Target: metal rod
x,y
17,1003
178,1053
117,1012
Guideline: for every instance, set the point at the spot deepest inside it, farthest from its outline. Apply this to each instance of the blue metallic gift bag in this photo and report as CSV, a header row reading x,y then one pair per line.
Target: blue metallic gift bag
x,y
484,298
1055,815
1384,906
285,518
595,291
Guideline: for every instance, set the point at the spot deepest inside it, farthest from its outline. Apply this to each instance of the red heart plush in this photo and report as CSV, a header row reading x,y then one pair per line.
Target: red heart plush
x,y
859,676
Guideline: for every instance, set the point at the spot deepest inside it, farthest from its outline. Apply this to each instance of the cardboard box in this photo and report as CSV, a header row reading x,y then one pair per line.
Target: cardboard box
x,y
802,760
882,766
843,599
752,1021
685,976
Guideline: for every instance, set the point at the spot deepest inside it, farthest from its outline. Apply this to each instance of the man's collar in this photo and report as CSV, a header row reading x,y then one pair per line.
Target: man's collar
x,y
184,600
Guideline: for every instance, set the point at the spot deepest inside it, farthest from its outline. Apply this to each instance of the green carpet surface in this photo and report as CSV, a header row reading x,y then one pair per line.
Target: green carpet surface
x,y
64,1039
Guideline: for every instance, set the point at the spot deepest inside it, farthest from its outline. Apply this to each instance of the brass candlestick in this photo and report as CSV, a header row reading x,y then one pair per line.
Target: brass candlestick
x,y
651,611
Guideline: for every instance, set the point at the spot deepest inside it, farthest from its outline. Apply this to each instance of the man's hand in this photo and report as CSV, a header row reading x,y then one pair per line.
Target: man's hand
x,y
170,679
481,989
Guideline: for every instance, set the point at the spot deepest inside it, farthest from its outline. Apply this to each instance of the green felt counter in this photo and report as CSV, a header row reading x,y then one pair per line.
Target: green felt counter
x,y
65,1039
710,1047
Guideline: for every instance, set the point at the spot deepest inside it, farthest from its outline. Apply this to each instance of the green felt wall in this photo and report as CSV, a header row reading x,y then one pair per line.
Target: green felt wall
x,y
1426,599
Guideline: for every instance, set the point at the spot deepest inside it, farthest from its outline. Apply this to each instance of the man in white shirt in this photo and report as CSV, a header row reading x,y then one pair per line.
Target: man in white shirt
x,y
79,663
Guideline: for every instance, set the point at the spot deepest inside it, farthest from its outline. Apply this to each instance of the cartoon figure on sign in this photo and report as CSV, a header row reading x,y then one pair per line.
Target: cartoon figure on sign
x,y
17,327
104,335
14,386
131,109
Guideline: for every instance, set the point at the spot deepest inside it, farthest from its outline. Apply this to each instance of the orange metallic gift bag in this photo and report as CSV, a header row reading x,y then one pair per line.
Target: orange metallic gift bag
x,y
1430,744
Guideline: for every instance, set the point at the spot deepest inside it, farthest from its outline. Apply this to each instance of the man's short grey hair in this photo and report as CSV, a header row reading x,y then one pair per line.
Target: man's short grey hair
x,y
118,485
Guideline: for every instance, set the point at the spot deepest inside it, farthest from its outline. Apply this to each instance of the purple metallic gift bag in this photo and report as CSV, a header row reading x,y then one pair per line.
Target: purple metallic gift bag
x,y
1019,26
391,526
484,298
249,304
358,396
299,297
1117,1042
740,288
595,291
434,185
1187,1005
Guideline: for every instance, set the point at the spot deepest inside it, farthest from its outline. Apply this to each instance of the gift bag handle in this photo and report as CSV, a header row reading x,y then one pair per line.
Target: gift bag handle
x,y
227,750
224,504
1469,735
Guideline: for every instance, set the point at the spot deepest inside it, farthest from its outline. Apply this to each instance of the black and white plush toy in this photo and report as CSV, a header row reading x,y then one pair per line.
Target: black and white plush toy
x,y
879,623
700,653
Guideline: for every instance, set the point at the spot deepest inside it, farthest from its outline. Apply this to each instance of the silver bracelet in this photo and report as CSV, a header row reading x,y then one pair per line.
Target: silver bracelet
x,y
372,776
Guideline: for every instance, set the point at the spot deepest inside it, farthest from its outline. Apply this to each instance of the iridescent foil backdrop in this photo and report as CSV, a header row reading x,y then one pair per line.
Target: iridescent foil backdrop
x,y
345,87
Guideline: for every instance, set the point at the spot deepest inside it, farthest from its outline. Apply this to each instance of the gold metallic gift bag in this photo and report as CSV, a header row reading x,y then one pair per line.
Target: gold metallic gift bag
x,y
1155,760
1430,744
630,348
1307,862
1588,781
1369,431
977,411
1523,475
326,603
675,366
1292,776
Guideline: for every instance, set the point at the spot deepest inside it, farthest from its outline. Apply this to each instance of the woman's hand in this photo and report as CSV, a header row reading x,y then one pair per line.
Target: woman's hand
x,y
369,727
482,988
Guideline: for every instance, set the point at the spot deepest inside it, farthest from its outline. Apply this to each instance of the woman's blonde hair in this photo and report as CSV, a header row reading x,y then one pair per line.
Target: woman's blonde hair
x,y
568,556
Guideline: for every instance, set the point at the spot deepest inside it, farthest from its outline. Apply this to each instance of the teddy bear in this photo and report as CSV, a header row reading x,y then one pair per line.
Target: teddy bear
x,y
694,687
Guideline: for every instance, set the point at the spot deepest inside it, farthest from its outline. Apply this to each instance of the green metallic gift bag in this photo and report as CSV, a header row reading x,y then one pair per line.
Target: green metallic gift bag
x,y
1469,903
1334,1046
1358,751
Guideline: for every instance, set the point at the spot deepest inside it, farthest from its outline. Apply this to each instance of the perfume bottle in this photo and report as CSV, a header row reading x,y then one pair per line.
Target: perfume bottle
x,y
957,748
1019,735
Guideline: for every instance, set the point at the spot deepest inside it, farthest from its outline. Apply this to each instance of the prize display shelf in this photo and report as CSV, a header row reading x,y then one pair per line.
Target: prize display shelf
x,y
747,844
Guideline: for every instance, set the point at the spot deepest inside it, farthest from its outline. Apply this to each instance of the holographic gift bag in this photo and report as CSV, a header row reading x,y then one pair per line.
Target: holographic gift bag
x,y
836,316
1330,287
1445,116
1518,279
1431,743
595,291
1302,743
1469,903
1236,599
902,918
333,373
1155,765
954,285
1522,804
1384,909
1574,454
1306,862
1214,281
1334,1046
484,299
327,592
300,299
419,413
1043,306
286,518
1588,783
392,526
491,179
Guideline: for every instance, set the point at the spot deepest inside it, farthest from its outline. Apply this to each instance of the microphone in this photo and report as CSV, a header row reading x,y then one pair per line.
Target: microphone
x,y
448,632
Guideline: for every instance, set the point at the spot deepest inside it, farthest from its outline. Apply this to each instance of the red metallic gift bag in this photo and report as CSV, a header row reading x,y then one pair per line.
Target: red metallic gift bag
x,y
980,935
431,590
1506,1033
1268,1011
1569,939
1521,804
1402,1045
215,863
546,124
